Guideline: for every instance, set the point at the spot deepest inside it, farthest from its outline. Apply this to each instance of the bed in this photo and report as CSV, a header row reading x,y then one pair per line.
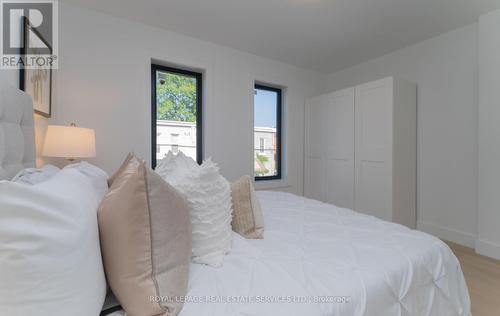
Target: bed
x,y
318,259
315,259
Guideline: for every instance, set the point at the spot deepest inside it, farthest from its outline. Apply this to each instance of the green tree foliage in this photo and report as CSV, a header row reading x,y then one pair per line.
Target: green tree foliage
x,y
176,98
263,159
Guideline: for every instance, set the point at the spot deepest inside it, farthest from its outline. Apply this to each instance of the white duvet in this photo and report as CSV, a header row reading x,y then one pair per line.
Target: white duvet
x,y
318,259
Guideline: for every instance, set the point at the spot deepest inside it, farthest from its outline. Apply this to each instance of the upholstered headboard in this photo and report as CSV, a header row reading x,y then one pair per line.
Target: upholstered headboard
x,y
17,133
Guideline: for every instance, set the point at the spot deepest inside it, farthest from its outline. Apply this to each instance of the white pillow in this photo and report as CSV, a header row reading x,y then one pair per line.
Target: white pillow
x,y
50,258
94,174
209,197
35,175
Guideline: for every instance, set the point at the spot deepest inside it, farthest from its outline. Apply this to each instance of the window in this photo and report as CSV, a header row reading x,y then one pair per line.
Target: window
x,y
176,110
267,132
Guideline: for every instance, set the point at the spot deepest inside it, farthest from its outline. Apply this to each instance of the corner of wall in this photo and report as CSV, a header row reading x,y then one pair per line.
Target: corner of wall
x,y
488,249
445,233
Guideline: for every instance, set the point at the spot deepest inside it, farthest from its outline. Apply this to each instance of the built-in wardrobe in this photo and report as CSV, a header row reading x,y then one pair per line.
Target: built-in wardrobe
x,y
361,149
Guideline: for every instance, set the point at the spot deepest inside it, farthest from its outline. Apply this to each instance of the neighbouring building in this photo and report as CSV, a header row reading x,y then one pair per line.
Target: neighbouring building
x,y
265,151
178,136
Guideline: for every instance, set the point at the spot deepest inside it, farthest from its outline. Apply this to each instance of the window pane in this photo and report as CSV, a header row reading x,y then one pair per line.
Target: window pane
x,y
266,145
176,101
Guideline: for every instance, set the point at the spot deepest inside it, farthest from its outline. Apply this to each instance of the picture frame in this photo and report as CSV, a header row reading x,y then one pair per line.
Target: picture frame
x,y
36,82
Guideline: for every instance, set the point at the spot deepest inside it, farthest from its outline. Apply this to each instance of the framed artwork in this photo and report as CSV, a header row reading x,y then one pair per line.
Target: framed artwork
x,y
37,82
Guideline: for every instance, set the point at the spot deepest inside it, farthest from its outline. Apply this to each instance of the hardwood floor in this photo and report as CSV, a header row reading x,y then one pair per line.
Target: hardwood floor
x,y
483,278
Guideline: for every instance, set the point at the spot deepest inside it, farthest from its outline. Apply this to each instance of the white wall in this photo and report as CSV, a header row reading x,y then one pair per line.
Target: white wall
x,y
103,82
445,70
488,242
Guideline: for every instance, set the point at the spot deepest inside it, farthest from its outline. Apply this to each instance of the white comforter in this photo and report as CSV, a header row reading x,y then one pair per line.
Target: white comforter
x,y
318,259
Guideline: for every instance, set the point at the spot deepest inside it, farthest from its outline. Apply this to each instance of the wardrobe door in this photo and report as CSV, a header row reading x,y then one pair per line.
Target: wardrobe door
x,y
314,156
373,154
339,146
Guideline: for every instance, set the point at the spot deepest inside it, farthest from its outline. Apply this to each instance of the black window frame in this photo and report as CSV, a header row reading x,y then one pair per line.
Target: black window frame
x,y
279,105
199,108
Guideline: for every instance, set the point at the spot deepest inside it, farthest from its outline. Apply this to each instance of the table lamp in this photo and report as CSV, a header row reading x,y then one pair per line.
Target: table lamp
x,y
69,142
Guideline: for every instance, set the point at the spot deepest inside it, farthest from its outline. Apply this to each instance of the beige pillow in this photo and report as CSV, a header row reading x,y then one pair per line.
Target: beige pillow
x,y
124,165
145,236
248,220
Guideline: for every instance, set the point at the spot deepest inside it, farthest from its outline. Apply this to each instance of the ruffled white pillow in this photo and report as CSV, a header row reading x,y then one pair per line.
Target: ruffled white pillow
x,y
209,198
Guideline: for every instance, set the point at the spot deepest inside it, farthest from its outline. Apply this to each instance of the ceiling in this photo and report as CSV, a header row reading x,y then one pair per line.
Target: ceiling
x,y
324,35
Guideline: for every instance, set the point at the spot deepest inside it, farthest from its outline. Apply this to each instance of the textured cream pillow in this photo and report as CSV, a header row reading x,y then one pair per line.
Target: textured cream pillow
x,y
247,213
209,198
146,241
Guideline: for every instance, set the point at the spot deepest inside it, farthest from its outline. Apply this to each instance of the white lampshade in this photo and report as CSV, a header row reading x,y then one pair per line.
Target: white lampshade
x,y
69,142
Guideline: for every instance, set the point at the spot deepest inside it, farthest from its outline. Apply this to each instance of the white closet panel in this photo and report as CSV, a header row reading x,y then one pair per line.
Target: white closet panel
x,y
373,171
339,134
361,149
314,160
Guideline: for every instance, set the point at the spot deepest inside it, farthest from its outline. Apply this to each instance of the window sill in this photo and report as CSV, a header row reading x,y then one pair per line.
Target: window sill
x,y
272,184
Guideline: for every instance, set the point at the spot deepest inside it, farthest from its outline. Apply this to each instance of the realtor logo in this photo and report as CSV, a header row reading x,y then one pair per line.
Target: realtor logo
x,y
29,34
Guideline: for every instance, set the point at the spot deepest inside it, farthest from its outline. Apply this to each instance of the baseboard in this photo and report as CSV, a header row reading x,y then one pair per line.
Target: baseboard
x,y
461,238
487,248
